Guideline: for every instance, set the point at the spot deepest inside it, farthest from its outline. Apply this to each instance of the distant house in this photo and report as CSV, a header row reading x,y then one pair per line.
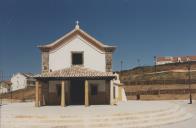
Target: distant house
x,y
22,80
5,86
171,59
77,70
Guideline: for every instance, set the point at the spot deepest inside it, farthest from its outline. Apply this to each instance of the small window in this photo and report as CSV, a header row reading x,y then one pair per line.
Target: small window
x,y
77,58
94,90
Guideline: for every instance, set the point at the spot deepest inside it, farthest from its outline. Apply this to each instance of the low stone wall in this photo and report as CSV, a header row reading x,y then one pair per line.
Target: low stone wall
x,y
167,92
164,97
22,94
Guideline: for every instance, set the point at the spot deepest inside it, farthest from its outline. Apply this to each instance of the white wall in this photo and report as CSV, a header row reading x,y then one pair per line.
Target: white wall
x,y
3,90
61,57
18,82
163,62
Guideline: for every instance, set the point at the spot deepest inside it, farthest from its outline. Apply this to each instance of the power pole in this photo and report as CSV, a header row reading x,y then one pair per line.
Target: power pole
x,y
121,65
189,74
1,79
155,64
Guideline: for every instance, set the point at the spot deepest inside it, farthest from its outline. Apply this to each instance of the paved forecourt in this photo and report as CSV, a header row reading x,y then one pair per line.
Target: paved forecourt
x,y
131,114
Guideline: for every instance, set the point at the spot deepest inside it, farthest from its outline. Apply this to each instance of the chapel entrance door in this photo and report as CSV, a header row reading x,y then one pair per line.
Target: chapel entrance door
x,y
77,92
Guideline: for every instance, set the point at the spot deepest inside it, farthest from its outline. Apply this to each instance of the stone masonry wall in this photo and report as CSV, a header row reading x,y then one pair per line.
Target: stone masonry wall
x,y
45,61
108,58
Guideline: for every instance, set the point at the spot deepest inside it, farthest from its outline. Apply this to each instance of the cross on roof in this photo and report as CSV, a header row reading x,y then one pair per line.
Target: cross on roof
x,y
77,24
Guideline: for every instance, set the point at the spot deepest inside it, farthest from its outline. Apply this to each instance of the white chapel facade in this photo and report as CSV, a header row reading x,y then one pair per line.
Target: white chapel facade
x,y
76,69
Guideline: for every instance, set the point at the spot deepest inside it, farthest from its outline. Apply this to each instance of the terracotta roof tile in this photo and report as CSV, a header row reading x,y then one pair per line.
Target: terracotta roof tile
x,y
75,71
8,82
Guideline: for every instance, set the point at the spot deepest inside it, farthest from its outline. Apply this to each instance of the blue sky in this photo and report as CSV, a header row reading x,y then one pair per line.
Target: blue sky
x,y
140,29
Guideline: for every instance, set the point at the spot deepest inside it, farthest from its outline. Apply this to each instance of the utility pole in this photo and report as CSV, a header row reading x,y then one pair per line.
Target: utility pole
x,y
121,65
189,75
155,64
143,71
1,79
0,90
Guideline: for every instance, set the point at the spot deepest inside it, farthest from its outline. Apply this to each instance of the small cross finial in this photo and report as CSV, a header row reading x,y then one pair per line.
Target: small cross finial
x,y
77,24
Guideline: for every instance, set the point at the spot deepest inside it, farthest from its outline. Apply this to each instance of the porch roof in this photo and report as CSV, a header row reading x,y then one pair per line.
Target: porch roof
x,y
76,72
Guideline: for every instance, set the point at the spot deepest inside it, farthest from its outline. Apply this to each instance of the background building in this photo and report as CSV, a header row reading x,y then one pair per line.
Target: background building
x,y
5,86
22,80
171,59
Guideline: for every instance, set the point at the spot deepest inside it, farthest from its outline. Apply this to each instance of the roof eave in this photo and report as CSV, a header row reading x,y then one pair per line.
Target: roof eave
x,y
83,77
49,46
44,48
110,48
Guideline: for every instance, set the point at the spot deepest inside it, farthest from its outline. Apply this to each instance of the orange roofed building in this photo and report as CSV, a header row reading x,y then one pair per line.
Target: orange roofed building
x,y
170,59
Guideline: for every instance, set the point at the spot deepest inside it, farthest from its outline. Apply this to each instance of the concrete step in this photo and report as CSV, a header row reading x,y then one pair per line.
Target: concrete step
x,y
123,120
117,116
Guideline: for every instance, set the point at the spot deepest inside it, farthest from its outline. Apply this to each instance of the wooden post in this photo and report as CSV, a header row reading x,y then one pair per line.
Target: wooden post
x,y
37,94
40,94
63,93
111,92
68,93
107,91
86,93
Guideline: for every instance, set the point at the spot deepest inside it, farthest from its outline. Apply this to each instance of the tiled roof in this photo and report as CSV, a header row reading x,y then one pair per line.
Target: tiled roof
x,y
76,71
27,74
7,83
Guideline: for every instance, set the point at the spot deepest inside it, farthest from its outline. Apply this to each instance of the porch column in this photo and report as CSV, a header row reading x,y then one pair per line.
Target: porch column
x,y
107,91
40,94
63,93
111,93
86,93
37,94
